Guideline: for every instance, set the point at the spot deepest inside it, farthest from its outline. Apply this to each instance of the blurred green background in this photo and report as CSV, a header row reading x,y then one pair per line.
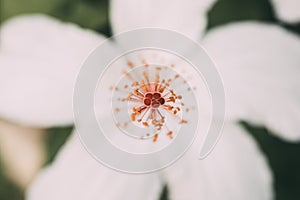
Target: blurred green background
x,y
94,14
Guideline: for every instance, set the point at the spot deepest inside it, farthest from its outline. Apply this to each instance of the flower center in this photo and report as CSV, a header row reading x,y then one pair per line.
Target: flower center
x,y
152,103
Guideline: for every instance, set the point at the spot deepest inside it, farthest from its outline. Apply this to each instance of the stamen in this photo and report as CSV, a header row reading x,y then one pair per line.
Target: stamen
x,y
151,102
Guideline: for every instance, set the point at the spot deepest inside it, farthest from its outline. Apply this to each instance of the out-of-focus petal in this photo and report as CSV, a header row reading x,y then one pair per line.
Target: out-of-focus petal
x,y
39,60
76,175
235,170
287,10
187,17
259,64
22,152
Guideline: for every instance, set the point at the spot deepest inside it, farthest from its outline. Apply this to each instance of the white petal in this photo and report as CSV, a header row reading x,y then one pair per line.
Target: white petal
x,y
39,60
287,10
187,17
259,64
76,175
235,170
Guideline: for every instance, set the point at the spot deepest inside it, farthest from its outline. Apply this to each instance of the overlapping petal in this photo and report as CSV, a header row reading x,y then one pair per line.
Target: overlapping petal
x,y
235,170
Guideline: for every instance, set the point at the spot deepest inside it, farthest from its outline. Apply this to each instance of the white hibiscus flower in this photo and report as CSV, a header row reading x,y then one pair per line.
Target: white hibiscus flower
x,y
287,10
258,63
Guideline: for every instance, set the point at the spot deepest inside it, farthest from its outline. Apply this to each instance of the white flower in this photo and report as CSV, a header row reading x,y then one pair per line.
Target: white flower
x,y
287,10
253,59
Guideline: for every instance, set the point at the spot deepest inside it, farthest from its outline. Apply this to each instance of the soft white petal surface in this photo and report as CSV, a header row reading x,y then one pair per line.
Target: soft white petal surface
x,y
259,64
187,17
287,10
235,170
75,175
39,60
